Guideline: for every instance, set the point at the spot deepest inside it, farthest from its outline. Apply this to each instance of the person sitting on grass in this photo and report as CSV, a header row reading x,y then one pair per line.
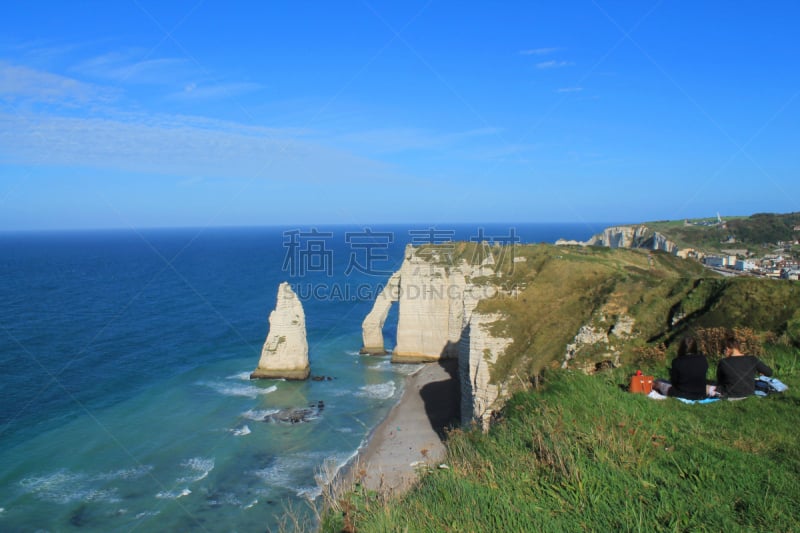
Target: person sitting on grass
x,y
736,373
687,376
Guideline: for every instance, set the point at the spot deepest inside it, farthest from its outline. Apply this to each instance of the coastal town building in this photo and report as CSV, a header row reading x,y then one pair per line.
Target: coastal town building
x,y
793,274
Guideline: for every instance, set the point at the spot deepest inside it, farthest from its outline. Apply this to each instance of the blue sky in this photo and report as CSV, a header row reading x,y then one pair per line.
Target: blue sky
x,y
207,113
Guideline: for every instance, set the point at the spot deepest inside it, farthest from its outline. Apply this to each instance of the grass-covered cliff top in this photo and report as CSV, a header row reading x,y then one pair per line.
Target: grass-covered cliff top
x,y
751,232
560,289
576,452
548,293
580,454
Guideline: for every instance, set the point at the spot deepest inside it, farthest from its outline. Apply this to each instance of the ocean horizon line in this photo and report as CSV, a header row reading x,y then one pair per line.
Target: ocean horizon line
x,y
420,225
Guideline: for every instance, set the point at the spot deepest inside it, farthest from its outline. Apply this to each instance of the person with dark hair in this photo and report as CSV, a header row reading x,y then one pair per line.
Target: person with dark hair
x,y
736,373
687,376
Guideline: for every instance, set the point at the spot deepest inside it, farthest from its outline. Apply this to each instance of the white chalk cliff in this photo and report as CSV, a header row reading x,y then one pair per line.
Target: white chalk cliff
x,y
285,352
437,299
628,237
430,317
372,327
480,398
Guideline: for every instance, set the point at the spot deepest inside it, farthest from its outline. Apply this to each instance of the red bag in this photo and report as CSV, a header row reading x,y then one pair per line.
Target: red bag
x,y
641,384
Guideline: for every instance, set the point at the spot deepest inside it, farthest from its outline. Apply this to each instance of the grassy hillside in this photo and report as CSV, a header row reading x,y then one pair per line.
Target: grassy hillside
x,y
560,289
750,232
582,455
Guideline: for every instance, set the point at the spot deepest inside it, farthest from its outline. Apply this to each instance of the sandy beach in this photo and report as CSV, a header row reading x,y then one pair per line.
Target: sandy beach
x,y
412,433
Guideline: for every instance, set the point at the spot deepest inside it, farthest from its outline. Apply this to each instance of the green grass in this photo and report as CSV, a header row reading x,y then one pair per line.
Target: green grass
x,y
565,287
561,288
583,455
750,232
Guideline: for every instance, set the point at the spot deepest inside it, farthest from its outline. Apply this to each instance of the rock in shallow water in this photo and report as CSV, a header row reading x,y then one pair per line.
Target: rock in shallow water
x,y
296,415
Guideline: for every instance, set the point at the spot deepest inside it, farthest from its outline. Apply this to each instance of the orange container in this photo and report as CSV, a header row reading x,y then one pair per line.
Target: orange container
x,y
641,384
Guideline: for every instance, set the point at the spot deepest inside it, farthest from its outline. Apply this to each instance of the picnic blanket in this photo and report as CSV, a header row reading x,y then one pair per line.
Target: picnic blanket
x,y
655,395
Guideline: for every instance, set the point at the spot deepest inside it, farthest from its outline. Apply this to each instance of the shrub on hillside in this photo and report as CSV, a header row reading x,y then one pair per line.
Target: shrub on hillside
x,y
650,355
711,341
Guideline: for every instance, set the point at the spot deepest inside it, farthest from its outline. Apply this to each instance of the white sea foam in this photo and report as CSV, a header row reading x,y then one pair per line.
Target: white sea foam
x,y
251,504
247,391
399,368
63,487
242,431
288,471
383,366
243,376
145,514
310,493
198,467
173,494
378,391
353,352
258,414
126,473
329,468
281,473
406,368
225,498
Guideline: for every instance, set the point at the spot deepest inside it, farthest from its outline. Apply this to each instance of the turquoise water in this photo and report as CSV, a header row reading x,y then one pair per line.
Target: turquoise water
x,y
125,357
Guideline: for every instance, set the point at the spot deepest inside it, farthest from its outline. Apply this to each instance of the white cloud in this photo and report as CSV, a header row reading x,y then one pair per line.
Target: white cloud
x,y
184,79
180,146
124,67
201,91
20,83
553,64
538,51
39,51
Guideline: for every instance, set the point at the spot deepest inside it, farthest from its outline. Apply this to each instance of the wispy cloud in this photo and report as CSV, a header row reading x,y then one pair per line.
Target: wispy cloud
x,y
21,83
183,78
45,129
124,67
209,91
178,146
553,64
538,51
39,51
569,90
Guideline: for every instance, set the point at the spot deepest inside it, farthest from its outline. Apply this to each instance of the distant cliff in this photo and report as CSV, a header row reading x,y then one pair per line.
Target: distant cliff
x,y
638,236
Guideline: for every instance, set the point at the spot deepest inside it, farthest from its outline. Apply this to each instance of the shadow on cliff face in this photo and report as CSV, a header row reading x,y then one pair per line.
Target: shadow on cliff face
x,y
442,399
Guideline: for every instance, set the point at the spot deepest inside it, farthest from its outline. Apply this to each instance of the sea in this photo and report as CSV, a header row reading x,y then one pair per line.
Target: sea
x,y
125,358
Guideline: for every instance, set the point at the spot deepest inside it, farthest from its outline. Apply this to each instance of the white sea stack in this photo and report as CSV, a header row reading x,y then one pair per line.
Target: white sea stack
x,y
372,327
285,352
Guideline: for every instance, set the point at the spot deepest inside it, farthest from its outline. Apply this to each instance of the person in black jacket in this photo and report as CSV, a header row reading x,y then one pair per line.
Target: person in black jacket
x,y
736,374
687,377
